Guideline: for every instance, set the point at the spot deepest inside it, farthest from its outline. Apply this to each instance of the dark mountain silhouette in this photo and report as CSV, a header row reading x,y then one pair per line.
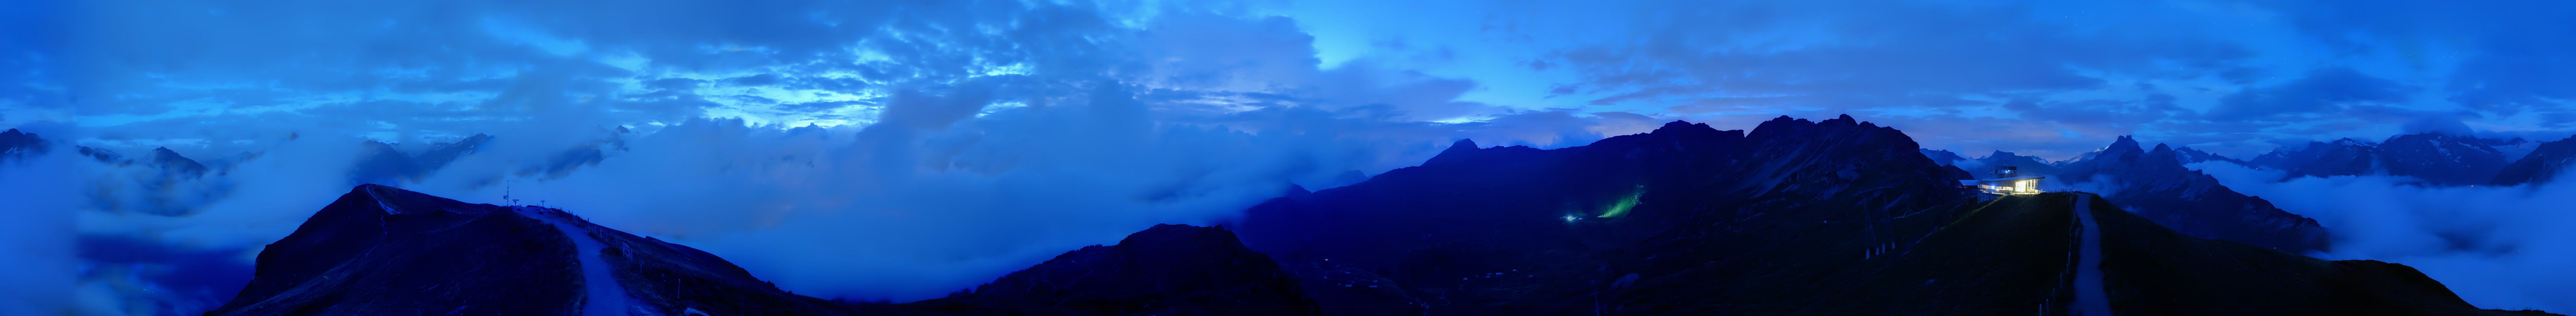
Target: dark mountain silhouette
x,y
18,144
102,155
2155,184
379,250
2341,157
1951,159
2026,164
2432,158
172,161
2186,155
1942,156
2543,164
1164,270
2441,159
1525,231
386,165
1795,217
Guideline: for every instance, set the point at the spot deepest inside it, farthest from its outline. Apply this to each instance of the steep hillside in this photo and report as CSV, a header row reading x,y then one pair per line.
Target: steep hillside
x,y
378,250
2155,184
2542,165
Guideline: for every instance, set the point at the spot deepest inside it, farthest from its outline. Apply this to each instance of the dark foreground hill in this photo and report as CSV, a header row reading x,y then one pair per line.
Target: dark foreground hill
x,y
1794,217
1834,217
385,251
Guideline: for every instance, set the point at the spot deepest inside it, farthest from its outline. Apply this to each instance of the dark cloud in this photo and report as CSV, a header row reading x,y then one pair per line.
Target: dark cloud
x,y
2444,124
2322,91
1879,56
2507,63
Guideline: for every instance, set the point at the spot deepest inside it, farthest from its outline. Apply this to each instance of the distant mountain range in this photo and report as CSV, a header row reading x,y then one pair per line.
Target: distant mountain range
x,y
2545,163
1794,217
2155,184
2431,158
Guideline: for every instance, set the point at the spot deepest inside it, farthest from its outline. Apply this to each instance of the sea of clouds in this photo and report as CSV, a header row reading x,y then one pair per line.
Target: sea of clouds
x,y
2498,247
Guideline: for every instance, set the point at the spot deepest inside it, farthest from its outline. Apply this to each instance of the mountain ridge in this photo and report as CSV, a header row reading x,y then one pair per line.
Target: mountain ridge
x,y
1794,217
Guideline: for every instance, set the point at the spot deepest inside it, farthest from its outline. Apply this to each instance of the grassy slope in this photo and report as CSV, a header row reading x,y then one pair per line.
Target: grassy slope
x,y
2004,256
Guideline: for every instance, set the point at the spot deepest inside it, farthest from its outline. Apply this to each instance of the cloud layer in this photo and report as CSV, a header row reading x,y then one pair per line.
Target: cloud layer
x,y
2498,247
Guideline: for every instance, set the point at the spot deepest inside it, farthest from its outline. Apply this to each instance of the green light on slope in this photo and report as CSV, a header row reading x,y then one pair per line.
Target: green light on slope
x,y
1620,207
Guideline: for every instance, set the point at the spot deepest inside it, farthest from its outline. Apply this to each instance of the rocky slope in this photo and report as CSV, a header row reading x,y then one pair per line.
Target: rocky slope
x,y
2155,184
2542,165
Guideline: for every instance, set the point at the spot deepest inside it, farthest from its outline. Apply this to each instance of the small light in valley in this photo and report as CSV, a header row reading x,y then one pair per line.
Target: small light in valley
x,y
1572,218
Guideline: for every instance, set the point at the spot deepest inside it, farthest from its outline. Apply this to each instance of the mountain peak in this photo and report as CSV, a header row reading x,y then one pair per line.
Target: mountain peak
x,y
1682,126
2000,154
2126,142
1784,125
15,141
1846,119
1182,236
166,158
2119,147
1687,130
1457,150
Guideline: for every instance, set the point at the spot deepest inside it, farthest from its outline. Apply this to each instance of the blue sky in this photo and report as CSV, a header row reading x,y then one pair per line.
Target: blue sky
x,y
2052,78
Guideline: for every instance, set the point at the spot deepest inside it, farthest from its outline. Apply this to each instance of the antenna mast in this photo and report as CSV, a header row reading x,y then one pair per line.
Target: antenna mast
x,y
505,192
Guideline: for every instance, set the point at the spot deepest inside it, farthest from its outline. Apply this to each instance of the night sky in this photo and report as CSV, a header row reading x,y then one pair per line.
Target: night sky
x,y
900,150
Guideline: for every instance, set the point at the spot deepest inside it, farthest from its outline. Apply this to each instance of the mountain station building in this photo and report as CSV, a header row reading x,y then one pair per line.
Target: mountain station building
x,y
2008,181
